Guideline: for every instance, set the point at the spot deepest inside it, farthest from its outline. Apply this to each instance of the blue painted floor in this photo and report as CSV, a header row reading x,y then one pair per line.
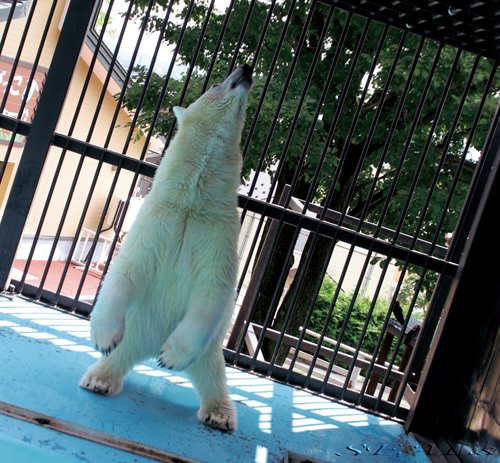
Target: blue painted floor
x,y
44,352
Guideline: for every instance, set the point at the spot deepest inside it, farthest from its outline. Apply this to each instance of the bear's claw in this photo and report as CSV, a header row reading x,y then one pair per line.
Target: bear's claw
x,y
176,358
108,350
107,332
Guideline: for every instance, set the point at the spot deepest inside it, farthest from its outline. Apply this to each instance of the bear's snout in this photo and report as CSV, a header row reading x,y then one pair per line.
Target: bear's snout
x,y
242,76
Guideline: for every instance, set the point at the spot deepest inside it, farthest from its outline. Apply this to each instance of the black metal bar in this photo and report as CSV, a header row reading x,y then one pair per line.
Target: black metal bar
x,y
454,361
58,168
343,155
8,151
252,291
48,297
147,80
44,123
117,173
409,137
100,163
399,339
279,106
241,36
251,204
187,78
349,137
109,156
253,125
8,22
16,127
324,228
314,385
391,131
315,118
433,315
405,209
137,170
300,103
440,164
222,31
61,161
260,43
426,148
434,20
36,60
268,140
166,80
11,124
277,293
476,191
29,82
363,226
463,159
328,79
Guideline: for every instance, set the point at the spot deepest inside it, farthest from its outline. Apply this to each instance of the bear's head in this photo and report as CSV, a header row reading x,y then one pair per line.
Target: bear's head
x,y
221,109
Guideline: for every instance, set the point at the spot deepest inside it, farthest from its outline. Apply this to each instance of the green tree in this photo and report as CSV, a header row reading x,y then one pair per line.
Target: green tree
x,y
302,129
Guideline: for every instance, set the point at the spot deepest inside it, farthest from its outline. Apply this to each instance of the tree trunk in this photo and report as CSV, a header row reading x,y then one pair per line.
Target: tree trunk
x,y
313,264
278,266
303,290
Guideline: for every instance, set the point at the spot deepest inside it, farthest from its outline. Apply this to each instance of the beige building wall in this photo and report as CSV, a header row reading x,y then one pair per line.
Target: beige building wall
x,y
91,171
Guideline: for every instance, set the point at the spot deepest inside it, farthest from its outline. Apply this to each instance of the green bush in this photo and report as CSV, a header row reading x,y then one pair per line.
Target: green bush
x,y
356,321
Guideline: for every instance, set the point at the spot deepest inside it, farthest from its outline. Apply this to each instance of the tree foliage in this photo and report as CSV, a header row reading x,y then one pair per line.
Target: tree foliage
x,y
403,163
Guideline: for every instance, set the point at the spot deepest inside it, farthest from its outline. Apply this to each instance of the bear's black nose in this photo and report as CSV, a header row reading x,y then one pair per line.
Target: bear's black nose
x,y
247,70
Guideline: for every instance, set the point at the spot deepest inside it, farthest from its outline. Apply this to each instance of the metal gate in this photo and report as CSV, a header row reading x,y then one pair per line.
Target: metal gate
x,y
365,152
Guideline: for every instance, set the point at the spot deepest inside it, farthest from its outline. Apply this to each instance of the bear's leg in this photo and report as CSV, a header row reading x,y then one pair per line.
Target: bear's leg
x,y
106,376
208,375
108,317
189,340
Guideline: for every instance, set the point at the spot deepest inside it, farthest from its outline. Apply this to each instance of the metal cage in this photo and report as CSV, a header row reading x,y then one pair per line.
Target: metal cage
x,y
367,142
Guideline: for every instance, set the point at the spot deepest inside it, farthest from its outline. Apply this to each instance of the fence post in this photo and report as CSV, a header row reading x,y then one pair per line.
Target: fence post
x,y
255,282
42,130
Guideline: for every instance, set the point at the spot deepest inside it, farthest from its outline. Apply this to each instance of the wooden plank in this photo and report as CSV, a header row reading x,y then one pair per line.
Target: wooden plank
x,y
99,437
311,347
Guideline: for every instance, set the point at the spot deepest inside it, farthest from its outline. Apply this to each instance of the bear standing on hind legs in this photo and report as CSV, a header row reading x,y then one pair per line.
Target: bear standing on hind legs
x,y
170,291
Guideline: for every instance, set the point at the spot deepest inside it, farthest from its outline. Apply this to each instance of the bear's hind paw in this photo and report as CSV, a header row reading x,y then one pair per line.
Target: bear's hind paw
x,y
223,418
104,385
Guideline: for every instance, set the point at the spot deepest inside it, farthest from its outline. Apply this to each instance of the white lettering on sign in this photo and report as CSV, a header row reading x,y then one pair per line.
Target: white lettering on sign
x,y
20,89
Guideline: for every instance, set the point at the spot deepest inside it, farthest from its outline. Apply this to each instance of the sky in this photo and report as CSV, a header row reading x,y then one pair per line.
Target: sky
x,y
149,41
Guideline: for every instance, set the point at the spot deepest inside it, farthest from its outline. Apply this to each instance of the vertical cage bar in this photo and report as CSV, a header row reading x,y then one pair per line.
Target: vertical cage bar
x,y
432,316
352,128
39,140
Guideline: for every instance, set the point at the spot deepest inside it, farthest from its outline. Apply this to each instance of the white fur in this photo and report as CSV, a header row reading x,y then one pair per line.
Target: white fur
x,y
170,291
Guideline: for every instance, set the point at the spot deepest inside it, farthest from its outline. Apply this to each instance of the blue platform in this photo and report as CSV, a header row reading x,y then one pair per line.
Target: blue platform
x,y
44,352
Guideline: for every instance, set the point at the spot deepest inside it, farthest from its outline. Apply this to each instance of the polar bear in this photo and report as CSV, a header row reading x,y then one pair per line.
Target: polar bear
x,y
170,291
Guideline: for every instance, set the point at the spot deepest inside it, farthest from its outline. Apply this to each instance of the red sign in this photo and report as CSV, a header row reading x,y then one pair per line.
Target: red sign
x,y
19,100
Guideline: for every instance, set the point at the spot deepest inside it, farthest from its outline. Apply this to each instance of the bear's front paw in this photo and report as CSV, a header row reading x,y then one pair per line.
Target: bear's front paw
x,y
222,417
176,355
107,333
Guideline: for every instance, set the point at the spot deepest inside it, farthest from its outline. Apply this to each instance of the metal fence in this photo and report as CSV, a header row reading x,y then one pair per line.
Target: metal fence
x,y
367,127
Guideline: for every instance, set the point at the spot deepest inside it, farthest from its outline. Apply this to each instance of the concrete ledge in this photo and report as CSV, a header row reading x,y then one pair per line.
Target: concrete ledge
x,y
44,352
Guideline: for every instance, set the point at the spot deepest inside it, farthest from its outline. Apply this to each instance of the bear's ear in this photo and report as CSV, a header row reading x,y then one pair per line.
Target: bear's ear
x,y
179,113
